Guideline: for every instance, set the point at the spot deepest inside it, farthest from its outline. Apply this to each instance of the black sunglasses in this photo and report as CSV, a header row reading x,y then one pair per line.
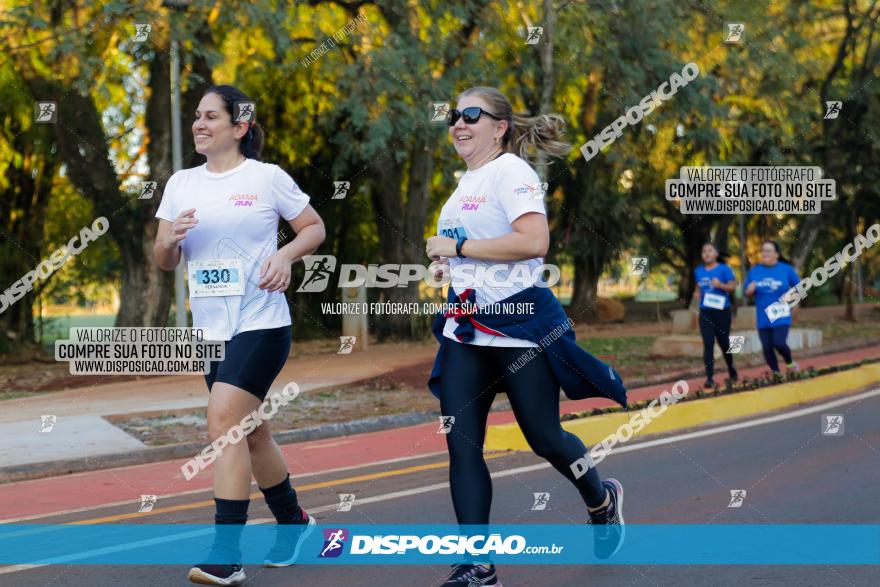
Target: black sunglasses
x,y
471,115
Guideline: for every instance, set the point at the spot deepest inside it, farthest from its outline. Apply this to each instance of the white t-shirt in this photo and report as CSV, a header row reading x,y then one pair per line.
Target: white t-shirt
x,y
485,203
238,213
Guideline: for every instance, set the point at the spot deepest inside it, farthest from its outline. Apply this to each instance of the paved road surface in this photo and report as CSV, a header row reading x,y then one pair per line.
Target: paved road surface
x,y
791,472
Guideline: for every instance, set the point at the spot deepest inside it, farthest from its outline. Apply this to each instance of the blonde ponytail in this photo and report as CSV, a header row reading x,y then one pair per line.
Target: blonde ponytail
x,y
542,133
526,136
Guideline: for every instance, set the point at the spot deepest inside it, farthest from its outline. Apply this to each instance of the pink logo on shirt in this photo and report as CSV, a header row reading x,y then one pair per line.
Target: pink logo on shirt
x,y
472,202
243,199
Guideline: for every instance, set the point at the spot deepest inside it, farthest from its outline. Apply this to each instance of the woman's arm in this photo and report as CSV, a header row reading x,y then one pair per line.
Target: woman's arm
x,y
728,287
166,249
530,238
310,233
275,271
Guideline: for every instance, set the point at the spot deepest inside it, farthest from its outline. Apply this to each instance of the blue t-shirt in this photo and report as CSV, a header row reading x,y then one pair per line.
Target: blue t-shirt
x,y
718,298
770,283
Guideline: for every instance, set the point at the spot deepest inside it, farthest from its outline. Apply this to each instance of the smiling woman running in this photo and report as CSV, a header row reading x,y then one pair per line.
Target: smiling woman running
x,y
223,217
495,221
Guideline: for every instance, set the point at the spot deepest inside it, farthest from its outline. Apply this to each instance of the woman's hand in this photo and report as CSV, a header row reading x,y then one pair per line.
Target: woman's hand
x,y
275,273
185,221
440,246
751,289
716,283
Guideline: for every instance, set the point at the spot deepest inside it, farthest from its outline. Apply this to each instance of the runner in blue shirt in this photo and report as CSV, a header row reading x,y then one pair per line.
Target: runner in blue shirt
x,y
767,282
715,281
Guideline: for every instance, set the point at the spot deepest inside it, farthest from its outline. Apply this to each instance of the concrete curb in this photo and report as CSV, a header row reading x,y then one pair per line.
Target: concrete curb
x,y
702,411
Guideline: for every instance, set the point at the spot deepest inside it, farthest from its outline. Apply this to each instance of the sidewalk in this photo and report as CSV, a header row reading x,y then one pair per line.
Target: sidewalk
x,y
125,485
81,432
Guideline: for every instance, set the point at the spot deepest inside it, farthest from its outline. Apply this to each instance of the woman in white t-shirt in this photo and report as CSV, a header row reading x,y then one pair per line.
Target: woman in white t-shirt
x,y
496,218
223,217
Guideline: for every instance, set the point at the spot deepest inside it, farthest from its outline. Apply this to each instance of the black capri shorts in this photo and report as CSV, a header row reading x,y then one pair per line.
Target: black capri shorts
x,y
252,361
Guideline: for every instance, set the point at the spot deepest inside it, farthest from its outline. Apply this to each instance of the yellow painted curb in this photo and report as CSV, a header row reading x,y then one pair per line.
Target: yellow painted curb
x,y
689,414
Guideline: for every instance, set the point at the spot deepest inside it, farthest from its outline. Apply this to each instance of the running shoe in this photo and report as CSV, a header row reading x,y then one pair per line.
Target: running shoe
x,y
465,575
217,575
708,385
608,538
288,542
793,367
733,375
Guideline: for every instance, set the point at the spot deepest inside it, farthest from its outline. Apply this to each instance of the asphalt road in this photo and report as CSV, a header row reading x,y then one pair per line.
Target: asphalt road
x,y
792,473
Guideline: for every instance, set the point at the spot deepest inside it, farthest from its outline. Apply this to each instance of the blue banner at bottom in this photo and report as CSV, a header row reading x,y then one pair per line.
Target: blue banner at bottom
x,y
527,544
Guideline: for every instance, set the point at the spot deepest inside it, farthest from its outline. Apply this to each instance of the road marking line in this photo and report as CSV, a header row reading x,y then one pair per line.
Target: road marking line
x,y
529,468
299,489
204,489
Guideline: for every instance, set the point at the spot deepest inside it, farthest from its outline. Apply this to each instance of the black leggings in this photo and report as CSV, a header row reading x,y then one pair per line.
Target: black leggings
x,y
472,375
715,325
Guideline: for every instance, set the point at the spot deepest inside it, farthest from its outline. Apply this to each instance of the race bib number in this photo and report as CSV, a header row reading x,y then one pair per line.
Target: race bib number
x,y
452,228
222,277
715,301
777,310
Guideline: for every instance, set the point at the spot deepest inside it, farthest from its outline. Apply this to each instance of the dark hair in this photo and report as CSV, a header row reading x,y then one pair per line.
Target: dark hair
x,y
722,255
251,144
778,250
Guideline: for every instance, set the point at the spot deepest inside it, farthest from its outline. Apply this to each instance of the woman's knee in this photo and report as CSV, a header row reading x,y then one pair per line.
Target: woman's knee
x,y
220,423
260,437
547,444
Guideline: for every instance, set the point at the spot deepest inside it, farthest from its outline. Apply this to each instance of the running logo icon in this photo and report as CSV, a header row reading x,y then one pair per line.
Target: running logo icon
x,y
346,345
737,496
244,112
541,500
735,32
47,423
639,265
346,500
340,190
533,35
832,424
147,503
141,32
148,188
439,111
334,542
736,344
319,268
45,112
832,109
446,423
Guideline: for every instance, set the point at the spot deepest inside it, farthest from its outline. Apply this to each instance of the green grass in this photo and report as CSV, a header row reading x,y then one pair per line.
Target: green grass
x,y
625,349
58,327
659,295
841,329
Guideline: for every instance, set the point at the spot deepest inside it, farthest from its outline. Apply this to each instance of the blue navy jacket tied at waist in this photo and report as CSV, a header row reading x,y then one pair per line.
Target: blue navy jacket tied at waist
x,y
580,374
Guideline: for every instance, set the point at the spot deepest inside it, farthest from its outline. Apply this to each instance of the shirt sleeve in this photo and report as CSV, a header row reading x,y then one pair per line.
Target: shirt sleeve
x,y
793,278
519,190
168,209
289,200
728,274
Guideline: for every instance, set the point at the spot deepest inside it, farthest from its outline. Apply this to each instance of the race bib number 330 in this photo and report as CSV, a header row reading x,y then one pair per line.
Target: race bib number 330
x,y
221,277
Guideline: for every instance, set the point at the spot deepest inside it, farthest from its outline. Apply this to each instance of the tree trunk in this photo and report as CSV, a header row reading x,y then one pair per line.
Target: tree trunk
x,y
22,214
695,233
585,295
